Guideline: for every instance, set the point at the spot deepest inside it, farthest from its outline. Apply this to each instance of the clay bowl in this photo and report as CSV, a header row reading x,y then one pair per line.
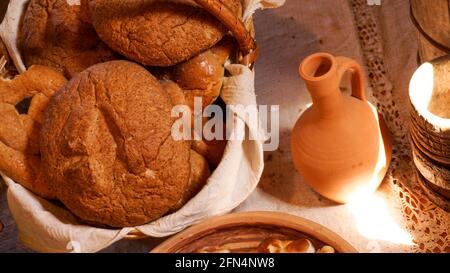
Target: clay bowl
x,y
241,232
429,94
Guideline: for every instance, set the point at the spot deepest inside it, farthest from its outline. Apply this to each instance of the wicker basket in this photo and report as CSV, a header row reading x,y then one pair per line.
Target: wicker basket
x,y
244,34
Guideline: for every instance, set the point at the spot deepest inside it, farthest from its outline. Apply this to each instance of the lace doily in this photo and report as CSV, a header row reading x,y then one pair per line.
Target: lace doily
x,y
428,224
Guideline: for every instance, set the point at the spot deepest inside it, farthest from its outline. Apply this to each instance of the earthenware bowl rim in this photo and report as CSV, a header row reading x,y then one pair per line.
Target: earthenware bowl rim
x,y
279,219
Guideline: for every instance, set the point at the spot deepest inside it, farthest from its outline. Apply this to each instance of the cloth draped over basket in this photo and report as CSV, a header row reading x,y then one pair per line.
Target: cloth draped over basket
x,y
45,227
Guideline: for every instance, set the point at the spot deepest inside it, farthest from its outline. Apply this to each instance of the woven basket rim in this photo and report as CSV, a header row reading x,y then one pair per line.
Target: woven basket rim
x,y
136,234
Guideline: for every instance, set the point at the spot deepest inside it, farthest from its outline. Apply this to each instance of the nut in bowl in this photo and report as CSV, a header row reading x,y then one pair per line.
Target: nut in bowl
x,y
107,165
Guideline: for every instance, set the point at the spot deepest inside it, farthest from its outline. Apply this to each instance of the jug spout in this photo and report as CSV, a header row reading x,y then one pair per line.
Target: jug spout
x,y
320,73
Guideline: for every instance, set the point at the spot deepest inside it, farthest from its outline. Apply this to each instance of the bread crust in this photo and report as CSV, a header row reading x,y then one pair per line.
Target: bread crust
x,y
107,147
202,76
59,35
157,33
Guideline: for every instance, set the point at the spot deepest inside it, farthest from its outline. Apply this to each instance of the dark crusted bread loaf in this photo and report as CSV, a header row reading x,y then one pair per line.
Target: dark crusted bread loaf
x,y
157,33
57,34
107,149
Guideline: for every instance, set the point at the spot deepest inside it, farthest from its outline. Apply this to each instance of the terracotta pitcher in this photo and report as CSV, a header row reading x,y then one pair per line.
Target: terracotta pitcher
x,y
340,145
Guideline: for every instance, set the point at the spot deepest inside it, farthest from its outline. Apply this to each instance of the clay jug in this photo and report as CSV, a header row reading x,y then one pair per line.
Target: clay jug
x,y
340,145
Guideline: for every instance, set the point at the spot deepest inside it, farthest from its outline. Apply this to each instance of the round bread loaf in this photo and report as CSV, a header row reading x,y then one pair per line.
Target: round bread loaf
x,y
58,33
157,33
107,148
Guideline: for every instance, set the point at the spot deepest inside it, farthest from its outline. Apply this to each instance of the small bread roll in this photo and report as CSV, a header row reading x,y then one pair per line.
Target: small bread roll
x,y
212,150
202,76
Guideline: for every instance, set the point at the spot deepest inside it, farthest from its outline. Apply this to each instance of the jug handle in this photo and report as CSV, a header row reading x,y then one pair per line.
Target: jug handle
x,y
343,65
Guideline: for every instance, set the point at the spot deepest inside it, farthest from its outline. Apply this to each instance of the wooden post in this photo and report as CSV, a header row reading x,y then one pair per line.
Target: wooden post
x,y
432,20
